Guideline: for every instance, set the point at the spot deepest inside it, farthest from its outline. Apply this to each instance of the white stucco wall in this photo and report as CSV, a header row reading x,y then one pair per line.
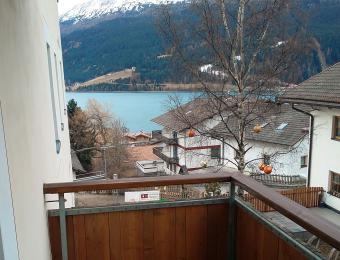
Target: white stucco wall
x,y
25,29
194,158
326,153
287,163
191,158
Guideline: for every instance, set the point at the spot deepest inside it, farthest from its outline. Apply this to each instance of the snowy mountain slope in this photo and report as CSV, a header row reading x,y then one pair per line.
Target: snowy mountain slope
x,y
101,36
92,9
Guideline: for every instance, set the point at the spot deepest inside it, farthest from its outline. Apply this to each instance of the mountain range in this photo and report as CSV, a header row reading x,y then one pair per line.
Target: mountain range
x,y
92,9
104,36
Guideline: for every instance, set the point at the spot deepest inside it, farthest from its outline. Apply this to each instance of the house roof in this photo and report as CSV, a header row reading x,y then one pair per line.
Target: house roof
x,y
185,116
141,153
134,136
294,126
322,89
143,135
131,136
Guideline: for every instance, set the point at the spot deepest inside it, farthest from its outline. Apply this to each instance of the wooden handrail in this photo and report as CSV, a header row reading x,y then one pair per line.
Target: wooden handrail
x,y
320,227
67,187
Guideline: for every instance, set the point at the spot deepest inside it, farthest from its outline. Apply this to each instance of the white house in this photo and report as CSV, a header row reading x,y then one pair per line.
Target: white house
x,y
34,138
322,94
283,141
181,153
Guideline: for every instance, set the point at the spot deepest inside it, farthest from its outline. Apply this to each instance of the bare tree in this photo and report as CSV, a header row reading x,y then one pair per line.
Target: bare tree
x,y
240,51
81,135
108,132
97,137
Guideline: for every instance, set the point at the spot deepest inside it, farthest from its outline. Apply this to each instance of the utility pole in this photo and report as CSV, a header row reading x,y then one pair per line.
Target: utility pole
x,y
104,158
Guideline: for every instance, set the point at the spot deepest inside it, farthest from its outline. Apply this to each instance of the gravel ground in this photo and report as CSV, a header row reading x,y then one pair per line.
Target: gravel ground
x,y
97,200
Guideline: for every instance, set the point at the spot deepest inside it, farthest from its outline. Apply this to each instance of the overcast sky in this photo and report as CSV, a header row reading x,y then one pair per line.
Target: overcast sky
x,y
65,5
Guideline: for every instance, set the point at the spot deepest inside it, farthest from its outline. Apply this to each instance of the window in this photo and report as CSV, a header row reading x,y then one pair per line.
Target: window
x,y
334,184
215,153
62,86
282,126
266,159
58,92
304,160
336,128
53,103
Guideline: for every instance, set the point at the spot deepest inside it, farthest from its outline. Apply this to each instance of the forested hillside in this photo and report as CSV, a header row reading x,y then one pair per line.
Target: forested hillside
x,y
133,41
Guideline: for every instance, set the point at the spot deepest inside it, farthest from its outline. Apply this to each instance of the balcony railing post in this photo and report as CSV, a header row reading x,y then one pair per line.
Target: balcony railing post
x,y
231,223
63,231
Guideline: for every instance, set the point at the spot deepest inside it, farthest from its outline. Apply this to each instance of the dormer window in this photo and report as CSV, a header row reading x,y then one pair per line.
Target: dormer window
x,y
266,159
336,128
282,126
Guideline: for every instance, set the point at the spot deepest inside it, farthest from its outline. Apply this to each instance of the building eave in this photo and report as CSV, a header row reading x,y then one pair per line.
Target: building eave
x,y
311,102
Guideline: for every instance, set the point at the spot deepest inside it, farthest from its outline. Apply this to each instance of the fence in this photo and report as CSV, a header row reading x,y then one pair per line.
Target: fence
x,y
308,197
280,181
179,192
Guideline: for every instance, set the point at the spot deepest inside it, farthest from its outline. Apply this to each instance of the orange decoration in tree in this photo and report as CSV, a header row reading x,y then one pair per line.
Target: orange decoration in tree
x,y
268,169
257,129
191,133
262,166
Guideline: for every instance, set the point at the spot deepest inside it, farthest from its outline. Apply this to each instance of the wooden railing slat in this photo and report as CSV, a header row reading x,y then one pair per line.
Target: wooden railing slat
x,y
68,187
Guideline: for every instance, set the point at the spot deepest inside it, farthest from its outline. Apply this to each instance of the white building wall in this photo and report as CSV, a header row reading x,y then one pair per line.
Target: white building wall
x,y
25,29
288,163
326,153
194,158
190,158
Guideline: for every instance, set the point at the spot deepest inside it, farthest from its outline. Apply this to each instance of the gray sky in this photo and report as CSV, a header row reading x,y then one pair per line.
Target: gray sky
x,y
65,5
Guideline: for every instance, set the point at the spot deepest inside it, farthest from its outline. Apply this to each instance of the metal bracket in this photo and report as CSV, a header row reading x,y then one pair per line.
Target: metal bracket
x,y
231,223
62,222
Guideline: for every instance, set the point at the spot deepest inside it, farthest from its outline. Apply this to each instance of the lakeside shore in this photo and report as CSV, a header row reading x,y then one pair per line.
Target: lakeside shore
x,y
135,91
166,87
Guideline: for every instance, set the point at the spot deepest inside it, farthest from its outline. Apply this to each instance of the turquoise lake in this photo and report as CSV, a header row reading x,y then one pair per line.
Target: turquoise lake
x,y
135,109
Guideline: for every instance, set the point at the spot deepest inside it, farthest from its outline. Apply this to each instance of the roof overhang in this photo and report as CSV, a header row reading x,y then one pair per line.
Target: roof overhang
x,y
308,102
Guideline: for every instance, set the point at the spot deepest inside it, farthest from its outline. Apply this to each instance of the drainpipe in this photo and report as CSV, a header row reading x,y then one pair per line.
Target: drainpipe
x,y
311,134
222,152
174,146
175,149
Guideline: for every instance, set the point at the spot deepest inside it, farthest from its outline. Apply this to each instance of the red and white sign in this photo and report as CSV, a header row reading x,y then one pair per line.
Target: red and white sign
x,y
141,196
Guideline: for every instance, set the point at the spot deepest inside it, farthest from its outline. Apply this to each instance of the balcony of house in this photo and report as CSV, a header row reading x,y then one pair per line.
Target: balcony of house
x,y
205,216
158,135
158,151
280,181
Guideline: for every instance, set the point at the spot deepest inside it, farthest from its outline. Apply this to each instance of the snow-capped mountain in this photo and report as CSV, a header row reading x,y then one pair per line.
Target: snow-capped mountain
x,y
102,36
92,9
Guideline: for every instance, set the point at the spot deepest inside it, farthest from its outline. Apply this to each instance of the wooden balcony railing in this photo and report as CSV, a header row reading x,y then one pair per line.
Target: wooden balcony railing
x,y
213,228
308,197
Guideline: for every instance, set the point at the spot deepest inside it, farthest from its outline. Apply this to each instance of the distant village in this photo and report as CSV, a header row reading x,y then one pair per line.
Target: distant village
x,y
295,145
